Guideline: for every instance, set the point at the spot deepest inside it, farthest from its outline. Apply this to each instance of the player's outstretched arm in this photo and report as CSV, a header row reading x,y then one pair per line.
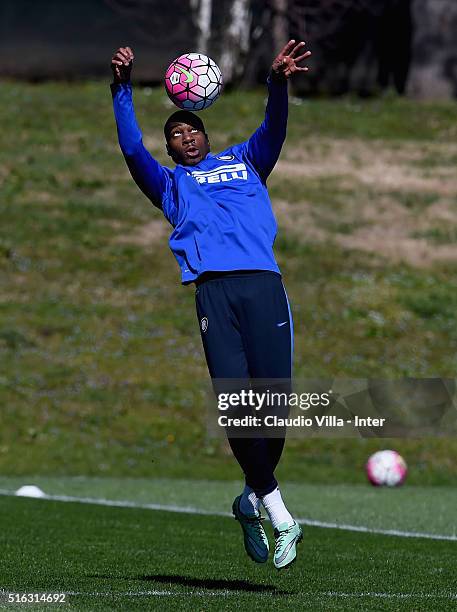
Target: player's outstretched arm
x,y
149,175
264,146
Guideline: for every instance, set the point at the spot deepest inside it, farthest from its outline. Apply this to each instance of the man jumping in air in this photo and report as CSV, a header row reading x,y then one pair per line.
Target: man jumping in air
x,y
223,235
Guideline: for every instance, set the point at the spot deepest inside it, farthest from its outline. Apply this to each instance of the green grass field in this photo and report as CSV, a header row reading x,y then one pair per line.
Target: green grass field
x,y
102,361
99,345
134,558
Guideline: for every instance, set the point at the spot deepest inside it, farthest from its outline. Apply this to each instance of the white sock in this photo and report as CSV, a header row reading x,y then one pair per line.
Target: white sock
x,y
276,510
249,502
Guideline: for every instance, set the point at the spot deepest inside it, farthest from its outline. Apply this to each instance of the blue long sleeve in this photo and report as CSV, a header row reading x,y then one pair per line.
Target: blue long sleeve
x,y
153,179
220,209
264,146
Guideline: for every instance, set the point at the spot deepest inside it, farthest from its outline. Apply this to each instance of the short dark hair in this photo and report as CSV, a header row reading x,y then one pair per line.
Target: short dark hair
x,y
183,116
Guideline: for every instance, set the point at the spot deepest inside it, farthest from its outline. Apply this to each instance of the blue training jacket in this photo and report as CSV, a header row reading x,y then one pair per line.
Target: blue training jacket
x,y
220,209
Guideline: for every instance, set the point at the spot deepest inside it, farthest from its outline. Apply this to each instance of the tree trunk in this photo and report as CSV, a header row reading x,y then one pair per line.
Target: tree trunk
x,y
280,24
236,41
434,53
201,10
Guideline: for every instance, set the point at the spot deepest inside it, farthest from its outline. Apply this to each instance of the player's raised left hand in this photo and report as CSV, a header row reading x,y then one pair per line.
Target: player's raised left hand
x,y
121,64
286,62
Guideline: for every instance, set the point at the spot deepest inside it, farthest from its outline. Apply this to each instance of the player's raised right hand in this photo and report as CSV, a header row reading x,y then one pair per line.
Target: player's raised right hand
x,y
121,64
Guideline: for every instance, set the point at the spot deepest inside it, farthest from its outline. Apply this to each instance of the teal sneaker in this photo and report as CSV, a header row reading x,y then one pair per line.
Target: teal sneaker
x,y
255,539
285,546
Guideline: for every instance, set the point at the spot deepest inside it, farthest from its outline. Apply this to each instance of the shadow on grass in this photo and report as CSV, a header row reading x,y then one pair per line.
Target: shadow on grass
x,y
223,584
202,583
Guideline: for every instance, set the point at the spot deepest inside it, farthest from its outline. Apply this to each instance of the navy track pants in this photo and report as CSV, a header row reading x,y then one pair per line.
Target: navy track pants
x,y
247,333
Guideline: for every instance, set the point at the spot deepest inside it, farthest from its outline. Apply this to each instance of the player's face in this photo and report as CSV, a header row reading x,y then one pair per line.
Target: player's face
x,y
186,144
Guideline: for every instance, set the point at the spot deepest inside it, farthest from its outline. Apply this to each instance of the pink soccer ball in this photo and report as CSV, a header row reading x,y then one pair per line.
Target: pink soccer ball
x,y
193,81
386,468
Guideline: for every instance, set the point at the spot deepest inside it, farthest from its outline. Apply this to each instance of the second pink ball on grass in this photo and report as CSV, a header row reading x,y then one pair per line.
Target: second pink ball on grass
x,y
386,468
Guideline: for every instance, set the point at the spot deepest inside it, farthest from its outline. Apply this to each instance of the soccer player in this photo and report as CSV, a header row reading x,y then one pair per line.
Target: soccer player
x,y
223,235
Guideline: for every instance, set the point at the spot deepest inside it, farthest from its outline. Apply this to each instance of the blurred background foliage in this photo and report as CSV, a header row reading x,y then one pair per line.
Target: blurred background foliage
x,y
361,46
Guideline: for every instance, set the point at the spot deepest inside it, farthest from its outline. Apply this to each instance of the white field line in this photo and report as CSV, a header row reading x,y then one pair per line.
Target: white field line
x,y
226,593
148,593
220,593
389,595
234,592
191,510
